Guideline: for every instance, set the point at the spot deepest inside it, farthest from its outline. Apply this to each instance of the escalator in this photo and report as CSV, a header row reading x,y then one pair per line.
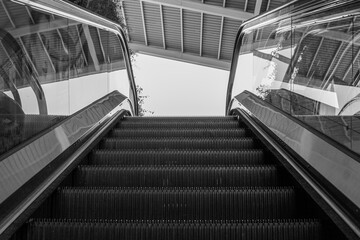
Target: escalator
x,y
179,178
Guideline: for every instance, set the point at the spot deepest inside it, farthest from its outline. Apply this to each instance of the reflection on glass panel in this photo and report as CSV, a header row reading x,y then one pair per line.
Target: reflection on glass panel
x,y
51,67
309,71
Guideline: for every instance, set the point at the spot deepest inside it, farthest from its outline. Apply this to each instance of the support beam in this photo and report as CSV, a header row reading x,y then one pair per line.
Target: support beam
x,y
258,7
204,8
162,26
8,14
224,3
60,36
91,47
28,57
182,29
268,5
246,5
42,42
315,56
179,56
10,59
201,33
81,46
41,27
143,22
101,45
221,36
352,63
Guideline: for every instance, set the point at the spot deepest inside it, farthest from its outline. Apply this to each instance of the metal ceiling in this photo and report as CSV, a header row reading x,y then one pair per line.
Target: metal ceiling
x,y
195,31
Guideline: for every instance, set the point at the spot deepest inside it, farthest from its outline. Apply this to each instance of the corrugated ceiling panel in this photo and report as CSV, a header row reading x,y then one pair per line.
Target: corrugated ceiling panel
x,y
277,3
153,24
134,20
192,28
251,6
214,2
325,57
18,14
172,27
346,62
238,4
230,29
310,44
211,35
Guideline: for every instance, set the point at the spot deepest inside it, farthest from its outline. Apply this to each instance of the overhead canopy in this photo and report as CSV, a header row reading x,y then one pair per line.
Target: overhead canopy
x,y
195,31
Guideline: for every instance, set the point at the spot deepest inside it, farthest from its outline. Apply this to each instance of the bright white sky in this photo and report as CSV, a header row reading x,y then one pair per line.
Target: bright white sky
x,y
180,89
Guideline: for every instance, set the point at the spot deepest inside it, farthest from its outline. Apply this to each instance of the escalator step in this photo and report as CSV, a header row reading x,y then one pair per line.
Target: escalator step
x,y
179,157
178,143
179,124
177,204
182,230
207,133
179,176
182,119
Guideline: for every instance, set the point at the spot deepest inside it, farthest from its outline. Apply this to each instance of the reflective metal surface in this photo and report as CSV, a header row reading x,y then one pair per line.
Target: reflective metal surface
x,y
55,59
21,166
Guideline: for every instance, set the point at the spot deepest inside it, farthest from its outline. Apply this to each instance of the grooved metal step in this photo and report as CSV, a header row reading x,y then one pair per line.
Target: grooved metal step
x,y
175,230
178,157
179,176
178,124
178,143
175,204
185,133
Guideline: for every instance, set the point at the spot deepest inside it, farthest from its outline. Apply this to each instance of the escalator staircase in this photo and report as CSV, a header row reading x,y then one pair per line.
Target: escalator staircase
x,y
175,179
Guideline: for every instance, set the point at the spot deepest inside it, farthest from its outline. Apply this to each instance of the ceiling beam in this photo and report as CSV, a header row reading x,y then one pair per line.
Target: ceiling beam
x,y
182,29
258,7
205,8
41,27
162,26
91,47
101,44
201,33
28,57
352,63
8,14
314,58
224,3
81,46
268,5
221,36
179,56
246,5
143,22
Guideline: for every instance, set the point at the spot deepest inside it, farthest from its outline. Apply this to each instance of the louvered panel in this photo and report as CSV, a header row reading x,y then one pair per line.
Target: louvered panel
x,y
192,30
277,3
310,44
211,35
325,57
134,20
346,62
237,4
96,41
214,2
37,53
105,42
18,14
230,29
56,50
172,27
251,6
4,20
153,24
264,5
